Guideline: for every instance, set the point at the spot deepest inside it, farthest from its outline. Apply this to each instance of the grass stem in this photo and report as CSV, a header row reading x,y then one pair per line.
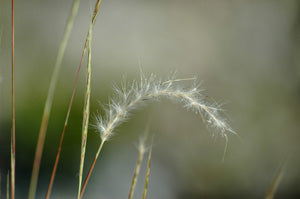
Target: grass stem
x,y
13,136
7,186
275,181
137,169
147,172
71,101
86,113
91,169
49,100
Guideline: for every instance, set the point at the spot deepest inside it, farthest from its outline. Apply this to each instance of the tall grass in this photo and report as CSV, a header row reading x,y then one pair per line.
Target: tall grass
x,y
96,9
127,98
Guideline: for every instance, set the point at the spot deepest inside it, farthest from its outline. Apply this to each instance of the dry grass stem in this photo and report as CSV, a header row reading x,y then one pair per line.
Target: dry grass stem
x,y
147,172
13,133
137,168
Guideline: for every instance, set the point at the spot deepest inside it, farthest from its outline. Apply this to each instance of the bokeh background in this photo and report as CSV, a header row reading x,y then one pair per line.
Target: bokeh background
x,y
246,53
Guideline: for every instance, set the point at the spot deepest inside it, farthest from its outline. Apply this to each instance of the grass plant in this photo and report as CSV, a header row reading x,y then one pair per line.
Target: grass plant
x,y
127,98
96,9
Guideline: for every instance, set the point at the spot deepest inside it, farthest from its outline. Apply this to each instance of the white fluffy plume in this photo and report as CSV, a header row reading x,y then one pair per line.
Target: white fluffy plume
x,y
137,93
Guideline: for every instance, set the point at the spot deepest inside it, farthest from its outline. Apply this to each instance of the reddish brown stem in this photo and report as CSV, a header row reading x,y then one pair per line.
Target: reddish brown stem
x,y
71,102
87,178
65,126
13,138
91,168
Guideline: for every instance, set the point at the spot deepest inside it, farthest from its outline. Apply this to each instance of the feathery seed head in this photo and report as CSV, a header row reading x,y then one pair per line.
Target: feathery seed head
x,y
128,98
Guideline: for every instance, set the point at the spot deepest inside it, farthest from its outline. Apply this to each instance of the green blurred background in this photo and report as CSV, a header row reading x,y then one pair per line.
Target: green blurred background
x,y
246,53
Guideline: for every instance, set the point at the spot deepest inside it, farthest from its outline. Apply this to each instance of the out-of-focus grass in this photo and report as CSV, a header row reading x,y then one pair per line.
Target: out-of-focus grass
x,y
246,53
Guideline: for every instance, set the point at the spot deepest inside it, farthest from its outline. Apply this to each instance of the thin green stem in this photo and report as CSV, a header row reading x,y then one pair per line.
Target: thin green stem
x,y
49,100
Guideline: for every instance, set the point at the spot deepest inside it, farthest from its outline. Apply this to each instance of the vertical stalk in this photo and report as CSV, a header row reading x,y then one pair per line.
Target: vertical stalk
x,y
96,9
86,113
13,136
7,186
64,129
49,100
147,173
137,170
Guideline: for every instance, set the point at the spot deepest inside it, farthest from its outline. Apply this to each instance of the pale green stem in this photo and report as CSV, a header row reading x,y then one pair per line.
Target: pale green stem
x,y
86,114
87,102
96,9
49,100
